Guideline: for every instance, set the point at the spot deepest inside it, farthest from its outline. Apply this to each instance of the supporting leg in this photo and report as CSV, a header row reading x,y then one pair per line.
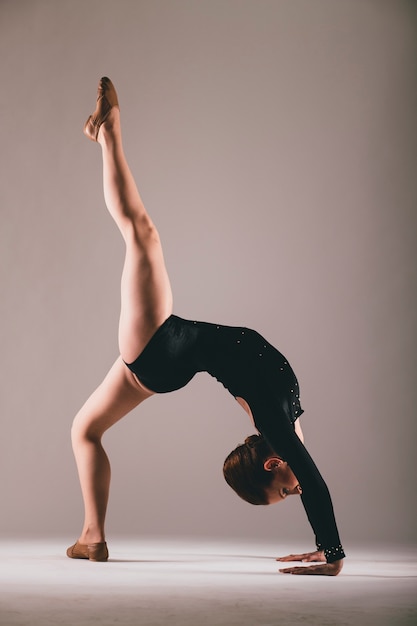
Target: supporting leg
x,y
117,395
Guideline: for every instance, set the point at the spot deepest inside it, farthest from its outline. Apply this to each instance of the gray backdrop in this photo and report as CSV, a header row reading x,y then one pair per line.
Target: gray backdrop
x,y
274,143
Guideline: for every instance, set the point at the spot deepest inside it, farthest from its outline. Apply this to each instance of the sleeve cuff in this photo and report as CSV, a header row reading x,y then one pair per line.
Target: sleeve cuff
x,y
334,554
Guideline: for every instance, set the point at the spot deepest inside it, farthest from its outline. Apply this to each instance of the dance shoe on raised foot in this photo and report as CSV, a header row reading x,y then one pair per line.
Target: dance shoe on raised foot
x,y
91,551
106,100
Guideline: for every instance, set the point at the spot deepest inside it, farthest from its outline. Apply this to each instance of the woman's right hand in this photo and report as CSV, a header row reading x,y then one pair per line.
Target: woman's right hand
x,y
306,557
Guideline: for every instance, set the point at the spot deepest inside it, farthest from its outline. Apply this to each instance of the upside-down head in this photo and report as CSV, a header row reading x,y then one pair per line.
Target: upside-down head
x,y
257,474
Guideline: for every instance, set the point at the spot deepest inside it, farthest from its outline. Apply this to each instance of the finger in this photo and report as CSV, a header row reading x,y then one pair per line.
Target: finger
x,y
290,570
292,557
303,571
311,558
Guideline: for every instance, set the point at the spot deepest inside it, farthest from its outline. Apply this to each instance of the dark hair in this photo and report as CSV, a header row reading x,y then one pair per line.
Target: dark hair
x,y
244,470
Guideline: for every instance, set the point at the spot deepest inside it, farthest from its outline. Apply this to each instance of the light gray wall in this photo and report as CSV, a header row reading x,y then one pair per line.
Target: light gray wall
x,y
275,146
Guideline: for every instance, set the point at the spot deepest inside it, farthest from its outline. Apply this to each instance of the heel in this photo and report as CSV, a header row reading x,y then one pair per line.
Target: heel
x,y
91,551
98,551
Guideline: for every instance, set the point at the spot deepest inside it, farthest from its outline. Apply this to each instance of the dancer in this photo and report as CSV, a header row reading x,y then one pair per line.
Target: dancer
x,y
161,352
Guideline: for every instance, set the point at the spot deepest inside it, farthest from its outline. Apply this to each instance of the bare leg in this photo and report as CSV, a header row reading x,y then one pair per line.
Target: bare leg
x,y
146,297
146,301
117,395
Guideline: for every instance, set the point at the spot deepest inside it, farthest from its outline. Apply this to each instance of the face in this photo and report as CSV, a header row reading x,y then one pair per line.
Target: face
x,y
284,483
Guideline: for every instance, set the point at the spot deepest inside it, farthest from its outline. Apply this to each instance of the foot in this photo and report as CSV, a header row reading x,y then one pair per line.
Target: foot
x,y
91,551
106,102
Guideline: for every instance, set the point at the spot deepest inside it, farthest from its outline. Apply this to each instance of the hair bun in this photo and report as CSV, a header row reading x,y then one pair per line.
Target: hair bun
x,y
253,440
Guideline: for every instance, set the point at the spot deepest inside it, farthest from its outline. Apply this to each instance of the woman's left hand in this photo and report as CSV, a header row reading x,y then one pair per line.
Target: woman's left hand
x,y
323,569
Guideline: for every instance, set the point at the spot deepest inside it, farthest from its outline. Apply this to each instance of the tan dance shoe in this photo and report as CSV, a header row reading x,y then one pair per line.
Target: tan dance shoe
x,y
91,551
106,100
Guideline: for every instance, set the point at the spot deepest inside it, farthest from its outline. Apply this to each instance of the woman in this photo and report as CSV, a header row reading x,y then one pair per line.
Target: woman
x,y
161,352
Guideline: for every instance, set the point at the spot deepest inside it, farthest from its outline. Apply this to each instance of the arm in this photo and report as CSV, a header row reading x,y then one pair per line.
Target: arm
x,y
275,425
246,407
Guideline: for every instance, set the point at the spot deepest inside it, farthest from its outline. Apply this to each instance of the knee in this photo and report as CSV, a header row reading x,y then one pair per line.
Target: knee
x,y
84,430
142,232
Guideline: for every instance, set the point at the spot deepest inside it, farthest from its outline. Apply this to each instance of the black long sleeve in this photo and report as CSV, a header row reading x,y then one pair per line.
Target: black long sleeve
x,y
280,434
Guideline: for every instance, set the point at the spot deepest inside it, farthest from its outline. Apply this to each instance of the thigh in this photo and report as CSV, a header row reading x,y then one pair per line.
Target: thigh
x,y
114,398
146,296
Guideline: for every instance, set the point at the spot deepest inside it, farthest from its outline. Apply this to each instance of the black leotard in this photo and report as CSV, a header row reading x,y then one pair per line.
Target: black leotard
x,y
250,368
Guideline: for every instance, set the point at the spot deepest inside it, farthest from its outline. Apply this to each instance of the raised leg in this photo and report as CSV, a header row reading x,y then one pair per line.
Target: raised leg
x,y
146,297
146,302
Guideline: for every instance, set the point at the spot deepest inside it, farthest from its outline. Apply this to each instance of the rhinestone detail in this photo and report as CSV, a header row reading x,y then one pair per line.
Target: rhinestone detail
x,y
335,553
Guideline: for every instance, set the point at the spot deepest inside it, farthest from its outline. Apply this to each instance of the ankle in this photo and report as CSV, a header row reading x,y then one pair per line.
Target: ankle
x,y
89,536
109,131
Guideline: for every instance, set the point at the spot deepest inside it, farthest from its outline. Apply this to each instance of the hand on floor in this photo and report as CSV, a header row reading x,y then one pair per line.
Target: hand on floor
x,y
324,569
306,557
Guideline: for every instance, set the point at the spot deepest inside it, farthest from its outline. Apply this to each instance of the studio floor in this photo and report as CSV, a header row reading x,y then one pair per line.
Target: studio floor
x,y
200,583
